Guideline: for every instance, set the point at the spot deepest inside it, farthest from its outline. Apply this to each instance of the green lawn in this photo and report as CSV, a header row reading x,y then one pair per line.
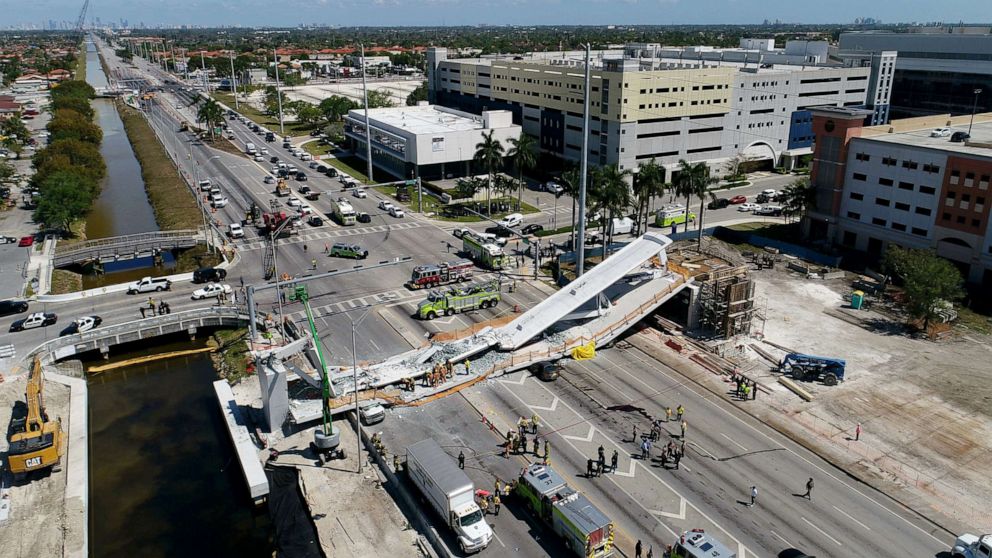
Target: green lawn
x,y
431,204
525,208
317,149
262,119
350,166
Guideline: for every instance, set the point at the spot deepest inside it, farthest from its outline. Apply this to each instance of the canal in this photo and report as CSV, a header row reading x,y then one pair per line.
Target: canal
x,y
123,206
164,478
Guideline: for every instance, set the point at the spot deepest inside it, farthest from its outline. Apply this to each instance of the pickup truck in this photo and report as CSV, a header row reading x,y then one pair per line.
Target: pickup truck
x,y
149,284
450,492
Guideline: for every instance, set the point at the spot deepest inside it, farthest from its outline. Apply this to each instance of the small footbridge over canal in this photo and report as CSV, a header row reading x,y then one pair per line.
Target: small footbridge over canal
x,y
127,247
103,338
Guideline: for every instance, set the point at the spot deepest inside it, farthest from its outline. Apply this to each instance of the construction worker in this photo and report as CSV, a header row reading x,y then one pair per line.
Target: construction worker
x,y
685,426
496,503
396,463
521,425
468,367
547,452
313,262
523,443
533,424
484,504
668,414
461,459
747,391
680,411
496,486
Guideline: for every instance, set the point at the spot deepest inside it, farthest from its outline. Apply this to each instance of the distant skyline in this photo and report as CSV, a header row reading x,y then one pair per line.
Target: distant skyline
x,y
289,13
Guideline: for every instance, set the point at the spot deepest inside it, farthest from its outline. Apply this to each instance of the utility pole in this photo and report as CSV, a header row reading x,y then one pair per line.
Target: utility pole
x,y
368,123
974,107
580,238
275,58
203,69
234,84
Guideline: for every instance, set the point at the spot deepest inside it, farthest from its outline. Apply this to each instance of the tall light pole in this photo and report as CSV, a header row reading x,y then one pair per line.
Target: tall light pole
x,y
580,238
234,84
354,369
207,229
203,68
368,123
974,107
275,58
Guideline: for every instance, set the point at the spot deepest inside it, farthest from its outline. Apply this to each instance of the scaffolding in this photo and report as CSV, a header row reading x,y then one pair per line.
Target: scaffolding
x,y
726,299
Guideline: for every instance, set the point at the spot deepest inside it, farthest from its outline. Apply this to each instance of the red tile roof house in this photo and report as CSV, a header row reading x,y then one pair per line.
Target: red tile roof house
x,y
8,109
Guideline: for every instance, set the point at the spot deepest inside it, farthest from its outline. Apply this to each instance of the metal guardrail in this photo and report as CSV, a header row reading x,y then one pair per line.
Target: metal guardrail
x,y
127,245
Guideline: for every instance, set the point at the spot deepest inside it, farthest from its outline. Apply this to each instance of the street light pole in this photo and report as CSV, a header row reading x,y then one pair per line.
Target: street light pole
x,y
368,123
234,84
580,238
354,368
275,58
974,107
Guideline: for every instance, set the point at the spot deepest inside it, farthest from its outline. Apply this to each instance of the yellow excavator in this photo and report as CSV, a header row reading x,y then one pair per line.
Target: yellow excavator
x,y
37,442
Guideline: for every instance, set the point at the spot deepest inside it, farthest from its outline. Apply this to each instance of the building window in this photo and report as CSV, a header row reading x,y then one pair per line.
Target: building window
x,y
909,165
885,181
918,231
878,221
946,216
931,168
898,227
969,179
928,190
857,196
888,161
851,238
976,223
853,215
859,176
905,186
923,211
902,206
960,219
862,157
955,176
983,184
882,201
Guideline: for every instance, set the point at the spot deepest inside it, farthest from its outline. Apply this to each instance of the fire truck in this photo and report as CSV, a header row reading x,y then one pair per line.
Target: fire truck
x,y
432,275
271,221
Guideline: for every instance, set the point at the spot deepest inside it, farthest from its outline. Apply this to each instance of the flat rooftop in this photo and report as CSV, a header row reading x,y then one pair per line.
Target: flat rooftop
x,y
980,142
425,119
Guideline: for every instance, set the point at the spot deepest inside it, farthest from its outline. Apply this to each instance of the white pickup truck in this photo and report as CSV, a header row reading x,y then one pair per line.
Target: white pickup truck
x,y
149,284
972,546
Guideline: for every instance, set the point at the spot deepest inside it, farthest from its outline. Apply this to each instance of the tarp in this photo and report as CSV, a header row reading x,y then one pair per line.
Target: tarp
x,y
296,535
585,352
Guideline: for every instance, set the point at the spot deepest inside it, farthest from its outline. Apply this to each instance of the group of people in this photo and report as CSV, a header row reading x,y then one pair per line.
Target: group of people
x,y
150,308
744,389
516,442
673,453
596,467
485,499
442,371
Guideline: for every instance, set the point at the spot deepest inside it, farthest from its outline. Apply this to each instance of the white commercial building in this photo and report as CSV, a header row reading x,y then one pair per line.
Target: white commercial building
x,y
428,141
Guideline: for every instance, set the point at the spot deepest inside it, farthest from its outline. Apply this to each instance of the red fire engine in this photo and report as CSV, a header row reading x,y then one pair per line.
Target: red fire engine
x,y
432,275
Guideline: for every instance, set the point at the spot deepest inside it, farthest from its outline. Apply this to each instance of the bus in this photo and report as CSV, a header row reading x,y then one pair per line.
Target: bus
x,y
673,215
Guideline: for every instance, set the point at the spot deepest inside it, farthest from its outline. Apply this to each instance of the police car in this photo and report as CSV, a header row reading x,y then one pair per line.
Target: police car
x,y
697,544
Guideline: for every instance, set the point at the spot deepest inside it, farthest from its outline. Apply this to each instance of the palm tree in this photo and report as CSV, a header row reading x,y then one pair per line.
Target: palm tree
x,y
522,154
648,183
798,198
701,186
210,113
489,156
614,198
570,184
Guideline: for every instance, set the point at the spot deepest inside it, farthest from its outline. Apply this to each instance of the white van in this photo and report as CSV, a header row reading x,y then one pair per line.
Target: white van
x,y
622,226
250,148
512,220
234,230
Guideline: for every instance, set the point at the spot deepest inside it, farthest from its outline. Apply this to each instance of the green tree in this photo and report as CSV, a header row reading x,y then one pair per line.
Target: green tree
x,y
307,113
69,154
14,128
210,113
522,154
694,180
467,187
69,124
6,171
798,198
124,54
569,181
73,88
77,104
927,280
335,107
65,198
272,96
648,183
614,198
417,95
489,157
380,98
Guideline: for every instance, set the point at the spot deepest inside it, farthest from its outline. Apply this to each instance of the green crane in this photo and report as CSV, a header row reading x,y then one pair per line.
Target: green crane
x,y
326,438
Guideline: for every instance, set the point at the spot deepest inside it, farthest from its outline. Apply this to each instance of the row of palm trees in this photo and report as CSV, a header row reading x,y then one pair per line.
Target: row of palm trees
x,y
490,154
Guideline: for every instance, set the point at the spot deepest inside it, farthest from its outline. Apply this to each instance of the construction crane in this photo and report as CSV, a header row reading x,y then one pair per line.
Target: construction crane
x,y
81,22
326,438
36,442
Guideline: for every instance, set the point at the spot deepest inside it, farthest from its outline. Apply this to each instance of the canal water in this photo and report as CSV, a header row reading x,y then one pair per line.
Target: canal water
x,y
164,478
123,206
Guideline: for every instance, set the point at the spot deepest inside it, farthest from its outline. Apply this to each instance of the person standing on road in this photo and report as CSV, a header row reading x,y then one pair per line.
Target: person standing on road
x,y
496,503
650,551
809,489
536,446
645,449
547,452
685,426
680,411
461,459
634,436
637,549
602,457
754,496
313,263
589,463
857,432
668,414
613,461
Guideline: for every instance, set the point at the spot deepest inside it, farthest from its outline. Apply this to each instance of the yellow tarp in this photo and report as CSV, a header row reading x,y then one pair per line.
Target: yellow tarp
x,y
585,352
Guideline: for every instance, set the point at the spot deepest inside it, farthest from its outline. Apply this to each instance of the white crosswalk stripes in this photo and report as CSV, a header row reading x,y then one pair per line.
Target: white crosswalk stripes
x,y
328,234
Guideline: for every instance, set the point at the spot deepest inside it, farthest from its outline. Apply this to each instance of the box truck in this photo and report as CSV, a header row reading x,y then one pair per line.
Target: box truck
x,y
450,492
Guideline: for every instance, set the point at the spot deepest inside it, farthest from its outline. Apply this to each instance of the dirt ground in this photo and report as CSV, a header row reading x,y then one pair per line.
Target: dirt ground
x,y
924,406
37,519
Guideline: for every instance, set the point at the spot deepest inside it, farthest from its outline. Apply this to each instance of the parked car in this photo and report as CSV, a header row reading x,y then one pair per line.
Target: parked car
x,y
26,241
331,172
209,275
459,232
772,210
959,137
149,284
274,159
213,290
38,319
322,169
718,203
82,325
259,157
204,185
218,201
13,307
359,193
269,179
301,176
7,240
747,206
354,251
533,228
770,193
294,203
553,187
738,199
313,164
940,132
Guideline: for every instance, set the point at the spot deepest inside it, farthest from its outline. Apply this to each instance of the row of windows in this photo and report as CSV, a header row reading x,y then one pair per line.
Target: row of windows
x,y
907,164
885,202
961,220
969,179
878,221
965,202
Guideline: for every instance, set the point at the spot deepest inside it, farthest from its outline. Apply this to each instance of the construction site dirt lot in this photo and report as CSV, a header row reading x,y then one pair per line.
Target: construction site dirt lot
x,y
37,523
924,406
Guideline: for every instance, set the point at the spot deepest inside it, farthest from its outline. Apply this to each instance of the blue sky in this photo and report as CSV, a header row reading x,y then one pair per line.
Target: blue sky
x,y
493,12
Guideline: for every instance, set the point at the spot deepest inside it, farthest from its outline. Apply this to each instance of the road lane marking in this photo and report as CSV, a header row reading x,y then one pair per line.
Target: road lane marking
x,y
824,533
733,441
680,515
550,409
587,438
702,449
787,543
851,518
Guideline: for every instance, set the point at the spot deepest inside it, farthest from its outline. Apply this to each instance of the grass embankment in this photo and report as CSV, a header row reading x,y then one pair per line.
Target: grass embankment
x,y
318,149
174,205
64,282
232,356
525,208
262,119
349,165
79,72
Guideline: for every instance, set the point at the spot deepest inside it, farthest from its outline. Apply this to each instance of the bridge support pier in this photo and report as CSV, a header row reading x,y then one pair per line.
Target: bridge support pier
x,y
105,352
192,333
